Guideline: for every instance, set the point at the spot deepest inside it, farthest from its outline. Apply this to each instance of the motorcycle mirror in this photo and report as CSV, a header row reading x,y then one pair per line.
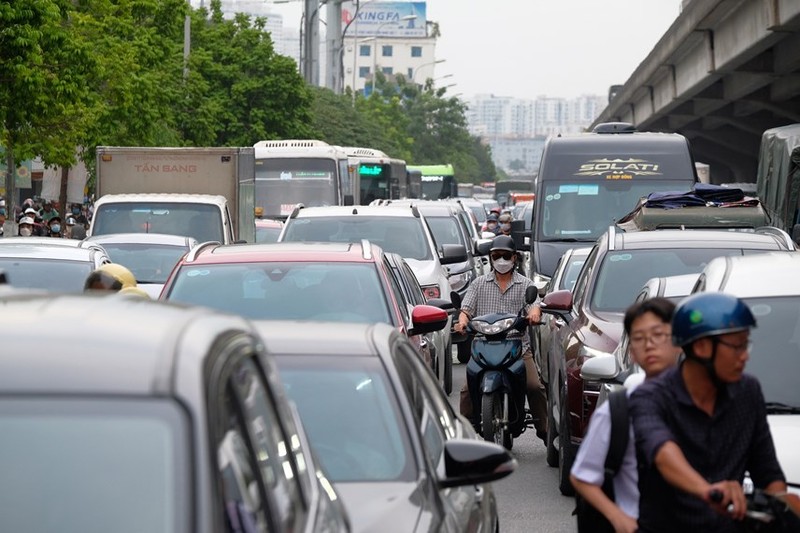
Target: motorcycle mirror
x,y
455,298
531,293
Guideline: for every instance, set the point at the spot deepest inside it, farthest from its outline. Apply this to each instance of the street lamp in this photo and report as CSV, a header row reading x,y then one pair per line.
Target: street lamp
x,y
446,76
375,55
416,70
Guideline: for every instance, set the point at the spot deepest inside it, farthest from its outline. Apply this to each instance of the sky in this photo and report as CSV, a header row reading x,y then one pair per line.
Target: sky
x,y
531,48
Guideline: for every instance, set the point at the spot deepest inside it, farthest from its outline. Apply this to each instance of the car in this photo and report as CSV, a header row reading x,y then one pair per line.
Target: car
x,y
397,453
149,256
769,285
183,429
615,270
346,282
48,264
477,208
268,230
396,229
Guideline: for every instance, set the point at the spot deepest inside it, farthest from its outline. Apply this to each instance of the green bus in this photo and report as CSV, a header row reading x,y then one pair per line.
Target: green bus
x,y
438,181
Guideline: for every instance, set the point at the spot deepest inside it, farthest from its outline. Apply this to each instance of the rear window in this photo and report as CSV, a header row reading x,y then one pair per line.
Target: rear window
x,y
404,236
445,230
340,292
109,465
149,263
46,274
623,273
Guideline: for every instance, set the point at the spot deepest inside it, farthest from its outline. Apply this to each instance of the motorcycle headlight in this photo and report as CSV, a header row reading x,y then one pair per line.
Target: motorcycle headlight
x,y
461,280
486,328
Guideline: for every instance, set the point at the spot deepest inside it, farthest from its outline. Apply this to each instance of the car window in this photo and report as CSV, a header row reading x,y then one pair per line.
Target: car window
x,y
270,445
571,271
149,263
414,286
583,277
403,235
424,409
46,274
400,292
341,292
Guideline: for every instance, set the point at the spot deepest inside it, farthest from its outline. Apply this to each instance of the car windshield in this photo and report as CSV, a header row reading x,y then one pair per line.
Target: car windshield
x,y
267,234
583,209
110,465
340,292
47,274
623,273
201,221
776,344
351,416
445,230
404,236
149,263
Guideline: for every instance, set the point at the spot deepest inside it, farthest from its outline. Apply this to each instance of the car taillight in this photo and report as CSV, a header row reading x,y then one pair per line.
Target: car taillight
x,y
431,291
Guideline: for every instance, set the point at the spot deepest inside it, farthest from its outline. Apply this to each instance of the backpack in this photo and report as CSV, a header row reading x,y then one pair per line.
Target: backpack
x,y
589,518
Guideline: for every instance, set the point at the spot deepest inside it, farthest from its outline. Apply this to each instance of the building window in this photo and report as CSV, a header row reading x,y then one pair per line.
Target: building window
x,y
387,70
416,51
387,50
364,50
411,74
363,72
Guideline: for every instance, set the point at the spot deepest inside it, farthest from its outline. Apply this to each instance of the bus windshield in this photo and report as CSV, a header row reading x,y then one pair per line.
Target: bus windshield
x,y
375,180
583,210
437,187
281,183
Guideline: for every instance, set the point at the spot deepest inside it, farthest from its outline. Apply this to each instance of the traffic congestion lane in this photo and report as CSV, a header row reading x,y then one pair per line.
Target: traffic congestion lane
x,y
528,500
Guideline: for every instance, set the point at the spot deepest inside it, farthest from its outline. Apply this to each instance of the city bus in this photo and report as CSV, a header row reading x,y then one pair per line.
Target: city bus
x,y
294,171
438,181
502,188
380,176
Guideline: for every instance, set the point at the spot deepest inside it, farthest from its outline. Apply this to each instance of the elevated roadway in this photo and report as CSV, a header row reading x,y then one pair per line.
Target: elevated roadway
x,y
725,71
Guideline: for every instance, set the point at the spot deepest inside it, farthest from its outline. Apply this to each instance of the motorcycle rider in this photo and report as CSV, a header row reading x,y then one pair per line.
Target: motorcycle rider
x,y
503,290
701,425
111,277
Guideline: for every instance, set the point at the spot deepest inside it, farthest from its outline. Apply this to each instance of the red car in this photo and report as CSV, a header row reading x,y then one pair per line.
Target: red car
x,y
340,282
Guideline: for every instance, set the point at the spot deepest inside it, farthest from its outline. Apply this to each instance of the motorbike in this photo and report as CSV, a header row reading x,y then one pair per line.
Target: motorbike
x,y
496,375
766,513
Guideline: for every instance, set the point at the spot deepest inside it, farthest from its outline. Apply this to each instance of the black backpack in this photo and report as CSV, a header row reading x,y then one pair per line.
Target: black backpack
x,y
589,518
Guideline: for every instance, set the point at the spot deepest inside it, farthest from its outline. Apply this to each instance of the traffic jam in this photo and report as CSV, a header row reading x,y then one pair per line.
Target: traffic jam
x,y
297,336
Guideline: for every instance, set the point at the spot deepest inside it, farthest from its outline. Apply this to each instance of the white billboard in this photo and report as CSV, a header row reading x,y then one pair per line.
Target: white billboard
x,y
385,19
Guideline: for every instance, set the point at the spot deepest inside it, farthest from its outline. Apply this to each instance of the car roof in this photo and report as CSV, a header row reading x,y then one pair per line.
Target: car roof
x,y
141,238
48,251
214,199
758,275
341,211
362,252
659,239
128,344
328,339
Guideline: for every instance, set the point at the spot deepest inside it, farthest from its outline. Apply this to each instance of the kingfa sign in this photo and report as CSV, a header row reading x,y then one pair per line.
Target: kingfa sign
x,y
385,19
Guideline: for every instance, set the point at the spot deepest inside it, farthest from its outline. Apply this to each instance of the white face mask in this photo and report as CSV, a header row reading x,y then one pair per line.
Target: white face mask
x,y
24,232
503,265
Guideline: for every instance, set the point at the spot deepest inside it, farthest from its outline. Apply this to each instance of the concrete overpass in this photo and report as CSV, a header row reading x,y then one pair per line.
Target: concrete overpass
x,y
725,71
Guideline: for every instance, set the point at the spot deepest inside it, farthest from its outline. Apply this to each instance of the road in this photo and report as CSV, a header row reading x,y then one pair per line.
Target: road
x,y
528,499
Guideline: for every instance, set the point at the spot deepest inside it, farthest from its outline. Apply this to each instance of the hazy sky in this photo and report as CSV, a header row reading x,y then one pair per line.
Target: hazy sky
x,y
529,48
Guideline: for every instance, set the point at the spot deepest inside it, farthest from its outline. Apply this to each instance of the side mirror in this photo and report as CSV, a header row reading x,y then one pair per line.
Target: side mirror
x,y
453,253
472,462
518,233
557,303
455,299
441,303
531,293
426,318
601,368
483,246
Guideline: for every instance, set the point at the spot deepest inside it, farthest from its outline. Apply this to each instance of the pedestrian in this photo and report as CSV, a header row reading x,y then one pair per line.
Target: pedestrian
x,y
700,426
648,327
54,227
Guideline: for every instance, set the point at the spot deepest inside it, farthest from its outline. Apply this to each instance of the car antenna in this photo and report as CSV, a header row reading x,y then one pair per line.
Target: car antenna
x,y
355,211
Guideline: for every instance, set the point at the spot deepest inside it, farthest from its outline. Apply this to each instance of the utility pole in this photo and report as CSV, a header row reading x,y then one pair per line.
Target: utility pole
x,y
335,40
310,50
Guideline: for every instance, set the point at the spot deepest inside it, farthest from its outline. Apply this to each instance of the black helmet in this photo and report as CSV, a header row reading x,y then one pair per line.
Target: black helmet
x,y
503,242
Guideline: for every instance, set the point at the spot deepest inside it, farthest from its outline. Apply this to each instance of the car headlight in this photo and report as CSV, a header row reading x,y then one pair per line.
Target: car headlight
x,y
461,280
481,326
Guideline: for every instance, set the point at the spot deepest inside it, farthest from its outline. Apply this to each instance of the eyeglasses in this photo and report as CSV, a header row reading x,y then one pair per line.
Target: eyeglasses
x,y
657,338
502,255
737,348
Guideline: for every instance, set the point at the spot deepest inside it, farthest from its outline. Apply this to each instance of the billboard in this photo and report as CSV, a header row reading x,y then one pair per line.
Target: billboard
x,y
385,19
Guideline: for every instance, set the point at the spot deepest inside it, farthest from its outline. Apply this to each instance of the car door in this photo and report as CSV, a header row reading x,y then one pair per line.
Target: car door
x,y
437,423
257,471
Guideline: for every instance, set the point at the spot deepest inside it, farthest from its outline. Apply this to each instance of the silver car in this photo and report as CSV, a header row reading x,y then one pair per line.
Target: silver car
x,y
49,264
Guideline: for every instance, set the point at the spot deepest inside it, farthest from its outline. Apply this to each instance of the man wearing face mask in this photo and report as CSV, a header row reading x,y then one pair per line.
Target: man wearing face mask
x,y
25,227
504,227
503,290
54,224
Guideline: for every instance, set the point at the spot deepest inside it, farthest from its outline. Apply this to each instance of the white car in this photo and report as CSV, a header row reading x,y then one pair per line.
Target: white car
x,y
49,264
149,256
396,229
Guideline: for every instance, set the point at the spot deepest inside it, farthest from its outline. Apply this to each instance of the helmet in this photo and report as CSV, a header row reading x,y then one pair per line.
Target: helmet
x,y
495,210
503,242
26,220
110,277
707,314
491,218
505,218
136,292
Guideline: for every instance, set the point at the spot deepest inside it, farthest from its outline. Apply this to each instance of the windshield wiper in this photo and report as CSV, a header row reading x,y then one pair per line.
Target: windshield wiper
x,y
777,408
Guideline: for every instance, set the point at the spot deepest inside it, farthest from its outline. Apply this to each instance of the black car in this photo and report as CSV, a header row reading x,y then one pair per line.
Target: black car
x,y
146,416
396,451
